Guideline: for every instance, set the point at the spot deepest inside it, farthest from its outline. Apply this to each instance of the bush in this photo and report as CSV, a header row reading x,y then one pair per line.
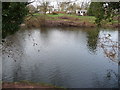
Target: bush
x,y
13,14
36,22
54,13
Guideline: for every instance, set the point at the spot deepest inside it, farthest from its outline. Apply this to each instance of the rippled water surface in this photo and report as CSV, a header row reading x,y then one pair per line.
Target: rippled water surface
x,y
66,57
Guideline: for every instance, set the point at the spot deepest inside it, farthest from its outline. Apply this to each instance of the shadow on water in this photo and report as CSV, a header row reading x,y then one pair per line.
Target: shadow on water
x,y
92,41
13,50
110,49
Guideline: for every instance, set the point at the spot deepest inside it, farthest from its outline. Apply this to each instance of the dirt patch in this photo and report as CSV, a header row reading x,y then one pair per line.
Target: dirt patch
x,y
64,17
68,23
69,18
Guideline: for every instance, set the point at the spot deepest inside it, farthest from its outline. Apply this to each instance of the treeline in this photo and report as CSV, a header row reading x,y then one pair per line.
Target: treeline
x,y
13,14
104,11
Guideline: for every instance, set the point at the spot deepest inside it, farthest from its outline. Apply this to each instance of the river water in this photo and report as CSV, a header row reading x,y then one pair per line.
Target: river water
x,y
65,57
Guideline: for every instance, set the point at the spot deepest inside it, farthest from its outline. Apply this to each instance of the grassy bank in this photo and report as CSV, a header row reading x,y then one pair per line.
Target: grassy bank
x,y
28,84
50,20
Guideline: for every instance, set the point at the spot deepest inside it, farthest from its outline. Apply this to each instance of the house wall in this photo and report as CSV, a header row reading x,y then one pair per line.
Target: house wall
x,y
81,12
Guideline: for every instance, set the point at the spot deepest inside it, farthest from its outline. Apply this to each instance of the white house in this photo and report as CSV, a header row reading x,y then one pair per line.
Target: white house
x,y
81,12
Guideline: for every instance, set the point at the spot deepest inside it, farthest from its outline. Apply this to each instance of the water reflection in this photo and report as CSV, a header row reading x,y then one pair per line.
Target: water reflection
x,y
110,47
45,35
110,79
92,36
59,56
13,52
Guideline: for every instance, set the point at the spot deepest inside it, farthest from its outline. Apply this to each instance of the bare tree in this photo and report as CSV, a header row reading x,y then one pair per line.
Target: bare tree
x,y
44,6
64,5
58,4
32,9
109,47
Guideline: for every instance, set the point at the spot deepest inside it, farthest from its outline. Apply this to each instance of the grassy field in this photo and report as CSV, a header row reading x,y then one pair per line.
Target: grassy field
x,y
82,18
66,20
73,18
58,15
28,84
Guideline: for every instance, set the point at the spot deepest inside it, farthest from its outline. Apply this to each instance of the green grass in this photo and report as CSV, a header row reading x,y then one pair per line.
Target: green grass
x,y
49,15
58,15
38,83
82,18
37,14
115,21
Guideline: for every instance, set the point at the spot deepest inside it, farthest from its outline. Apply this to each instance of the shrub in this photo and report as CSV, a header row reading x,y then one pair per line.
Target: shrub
x,y
54,13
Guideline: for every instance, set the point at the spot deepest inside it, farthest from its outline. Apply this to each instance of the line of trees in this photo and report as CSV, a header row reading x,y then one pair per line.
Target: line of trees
x,y
44,6
72,6
13,13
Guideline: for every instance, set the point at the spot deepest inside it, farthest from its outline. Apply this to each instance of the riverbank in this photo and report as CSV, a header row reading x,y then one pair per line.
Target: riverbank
x,y
64,20
26,84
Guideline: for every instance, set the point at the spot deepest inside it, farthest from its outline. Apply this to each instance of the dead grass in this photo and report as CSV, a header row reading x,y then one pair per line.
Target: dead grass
x,y
37,21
